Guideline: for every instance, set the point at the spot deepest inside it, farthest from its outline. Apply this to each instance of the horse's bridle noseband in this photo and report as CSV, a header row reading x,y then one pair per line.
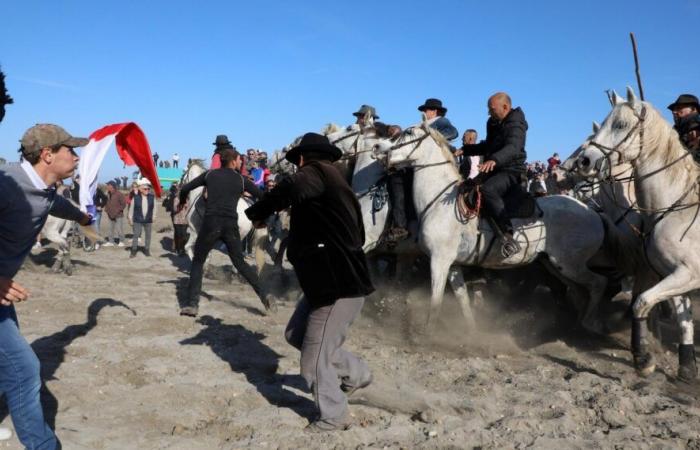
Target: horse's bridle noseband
x,y
608,151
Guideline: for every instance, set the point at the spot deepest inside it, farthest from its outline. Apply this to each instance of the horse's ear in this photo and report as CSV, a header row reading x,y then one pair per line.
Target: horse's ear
x,y
596,127
631,98
616,99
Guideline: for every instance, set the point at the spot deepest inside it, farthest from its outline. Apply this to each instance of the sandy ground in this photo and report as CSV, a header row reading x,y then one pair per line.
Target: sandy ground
x,y
124,371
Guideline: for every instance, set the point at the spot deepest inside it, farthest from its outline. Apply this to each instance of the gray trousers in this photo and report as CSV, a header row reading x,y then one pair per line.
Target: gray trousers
x,y
116,226
319,333
146,227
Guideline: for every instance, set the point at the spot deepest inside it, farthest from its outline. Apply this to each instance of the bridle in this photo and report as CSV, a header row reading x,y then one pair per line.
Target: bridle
x,y
609,151
663,212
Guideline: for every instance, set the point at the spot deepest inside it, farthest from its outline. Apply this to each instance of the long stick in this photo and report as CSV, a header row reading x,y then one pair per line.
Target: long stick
x,y
636,66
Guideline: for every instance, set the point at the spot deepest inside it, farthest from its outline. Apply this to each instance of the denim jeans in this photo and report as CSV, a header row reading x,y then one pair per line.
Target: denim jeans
x,y
98,220
20,381
213,229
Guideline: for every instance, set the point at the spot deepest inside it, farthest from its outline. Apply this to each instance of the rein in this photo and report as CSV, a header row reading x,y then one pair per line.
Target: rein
x,y
675,206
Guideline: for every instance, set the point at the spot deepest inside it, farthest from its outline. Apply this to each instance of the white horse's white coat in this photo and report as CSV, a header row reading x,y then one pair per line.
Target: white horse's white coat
x,y
664,176
568,232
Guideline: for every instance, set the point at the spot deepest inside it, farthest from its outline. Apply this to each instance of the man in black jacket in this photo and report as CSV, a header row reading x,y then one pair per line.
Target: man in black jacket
x,y
686,119
504,162
224,187
326,236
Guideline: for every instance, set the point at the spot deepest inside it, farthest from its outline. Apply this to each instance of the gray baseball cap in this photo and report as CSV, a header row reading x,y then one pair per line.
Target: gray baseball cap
x,y
47,135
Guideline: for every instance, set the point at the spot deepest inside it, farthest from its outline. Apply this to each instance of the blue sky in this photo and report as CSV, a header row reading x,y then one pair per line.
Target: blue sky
x,y
264,72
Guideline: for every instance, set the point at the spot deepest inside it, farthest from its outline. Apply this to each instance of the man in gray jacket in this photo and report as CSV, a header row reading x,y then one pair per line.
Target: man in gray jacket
x,y
28,196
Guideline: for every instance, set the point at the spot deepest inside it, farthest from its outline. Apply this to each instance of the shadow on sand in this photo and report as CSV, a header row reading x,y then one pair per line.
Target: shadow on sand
x,y
51,351
247,354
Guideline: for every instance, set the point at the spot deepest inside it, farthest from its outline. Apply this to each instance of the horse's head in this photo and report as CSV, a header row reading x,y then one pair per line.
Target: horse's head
x,y
619,139
565,174
194,169
346,139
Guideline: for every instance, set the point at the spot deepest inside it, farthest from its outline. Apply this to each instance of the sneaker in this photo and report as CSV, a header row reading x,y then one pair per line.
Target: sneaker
x,y
190,311
5,433
120,244
147,253
132,254
349,390
322,426
108,244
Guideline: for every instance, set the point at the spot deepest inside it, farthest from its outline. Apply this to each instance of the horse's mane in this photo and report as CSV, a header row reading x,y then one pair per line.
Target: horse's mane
x,y
663,139
444,146
197,162
330,128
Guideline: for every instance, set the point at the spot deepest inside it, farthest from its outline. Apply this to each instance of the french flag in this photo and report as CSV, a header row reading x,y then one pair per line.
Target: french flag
x,y
132,147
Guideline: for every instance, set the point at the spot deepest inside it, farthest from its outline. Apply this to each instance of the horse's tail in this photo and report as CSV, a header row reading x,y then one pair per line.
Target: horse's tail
x,y
624,250
259,243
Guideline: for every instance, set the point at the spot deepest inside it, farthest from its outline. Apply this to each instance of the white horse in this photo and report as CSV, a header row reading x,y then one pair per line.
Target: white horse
x,y
568,233
666,186
357,144
195,218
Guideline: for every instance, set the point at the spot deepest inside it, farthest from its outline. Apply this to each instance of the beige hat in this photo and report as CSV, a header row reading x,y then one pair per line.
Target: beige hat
x,y
143,182
47,135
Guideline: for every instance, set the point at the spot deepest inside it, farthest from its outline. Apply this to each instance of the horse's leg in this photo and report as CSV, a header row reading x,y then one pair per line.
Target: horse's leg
x,y
677,283
438,278
67,262
687,369
460,289
595,285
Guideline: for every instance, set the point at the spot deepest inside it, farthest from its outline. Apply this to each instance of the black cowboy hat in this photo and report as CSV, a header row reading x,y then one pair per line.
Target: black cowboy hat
x,y
316,143
685,100
222,140
433,103
365,109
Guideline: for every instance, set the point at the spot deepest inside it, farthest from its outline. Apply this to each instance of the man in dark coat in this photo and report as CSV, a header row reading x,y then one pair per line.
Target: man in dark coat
x,y
686,119
400,181
504,162
326,236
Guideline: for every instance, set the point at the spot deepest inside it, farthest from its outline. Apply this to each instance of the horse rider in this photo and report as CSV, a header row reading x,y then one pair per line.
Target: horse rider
x,y
686,119
504,163
366,116
400,180
224,187
222,143
326,236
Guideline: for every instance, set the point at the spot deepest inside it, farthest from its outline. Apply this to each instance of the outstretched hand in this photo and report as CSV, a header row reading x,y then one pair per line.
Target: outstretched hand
x,y
11,292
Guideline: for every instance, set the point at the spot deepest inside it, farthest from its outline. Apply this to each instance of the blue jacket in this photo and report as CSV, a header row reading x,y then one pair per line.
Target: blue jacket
x,y
444,126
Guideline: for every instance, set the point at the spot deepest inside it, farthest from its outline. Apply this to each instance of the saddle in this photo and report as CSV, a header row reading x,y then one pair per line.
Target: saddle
x,y
519,203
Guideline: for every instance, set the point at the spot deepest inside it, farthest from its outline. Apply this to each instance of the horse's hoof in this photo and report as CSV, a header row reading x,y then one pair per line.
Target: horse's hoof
x,y
688,374
69,270
644,365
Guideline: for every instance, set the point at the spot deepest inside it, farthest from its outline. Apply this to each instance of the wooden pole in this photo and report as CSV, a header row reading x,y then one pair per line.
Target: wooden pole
x,y
636,66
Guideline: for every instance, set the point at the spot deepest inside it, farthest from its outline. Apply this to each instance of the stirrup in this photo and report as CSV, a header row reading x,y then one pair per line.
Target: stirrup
x,y
510,247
